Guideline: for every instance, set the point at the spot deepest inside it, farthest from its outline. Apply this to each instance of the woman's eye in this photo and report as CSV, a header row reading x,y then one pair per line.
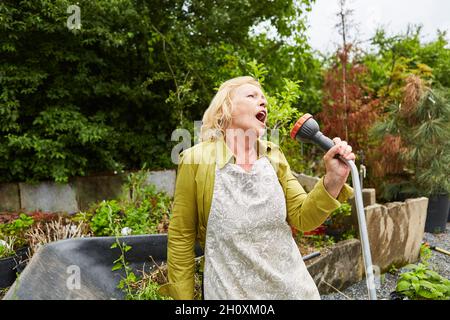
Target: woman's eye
x,y
251,96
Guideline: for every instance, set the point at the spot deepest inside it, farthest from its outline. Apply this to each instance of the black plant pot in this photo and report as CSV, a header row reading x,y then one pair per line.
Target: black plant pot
x,y
336,233
10,266
448,219
437,213
394,295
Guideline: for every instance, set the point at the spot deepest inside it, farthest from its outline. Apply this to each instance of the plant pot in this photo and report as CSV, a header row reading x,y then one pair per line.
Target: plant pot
x,y
10,266
448,219
437,213
336,233
402,196
394,295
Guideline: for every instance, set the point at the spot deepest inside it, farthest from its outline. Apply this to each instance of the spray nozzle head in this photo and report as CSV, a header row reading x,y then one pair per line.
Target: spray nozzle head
x,y
305,128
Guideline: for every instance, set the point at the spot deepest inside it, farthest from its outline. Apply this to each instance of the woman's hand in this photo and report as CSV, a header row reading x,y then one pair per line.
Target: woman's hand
x,y
336,170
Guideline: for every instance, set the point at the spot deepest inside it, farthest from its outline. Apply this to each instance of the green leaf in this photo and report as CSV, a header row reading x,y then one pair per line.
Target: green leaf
x,y
131,277
403,286
117,266
426,294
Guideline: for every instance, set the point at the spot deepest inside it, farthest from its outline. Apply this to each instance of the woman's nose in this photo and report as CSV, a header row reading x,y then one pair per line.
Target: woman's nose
x,y
263,103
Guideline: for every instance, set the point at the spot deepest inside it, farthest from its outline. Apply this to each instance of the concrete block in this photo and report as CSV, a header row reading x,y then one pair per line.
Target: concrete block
x,y
369,196
307,182
9,197
395,232
164,180
98,188
48,196
341,267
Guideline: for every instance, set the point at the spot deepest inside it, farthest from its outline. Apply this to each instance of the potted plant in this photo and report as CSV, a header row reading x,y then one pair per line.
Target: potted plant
x,y
431,154
420,125
13,248
339,221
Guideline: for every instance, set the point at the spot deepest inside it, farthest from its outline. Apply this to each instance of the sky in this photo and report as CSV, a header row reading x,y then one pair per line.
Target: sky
x,y
394,15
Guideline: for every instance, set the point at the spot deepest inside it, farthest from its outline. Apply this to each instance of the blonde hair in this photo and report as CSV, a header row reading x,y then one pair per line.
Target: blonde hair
x,y
218,115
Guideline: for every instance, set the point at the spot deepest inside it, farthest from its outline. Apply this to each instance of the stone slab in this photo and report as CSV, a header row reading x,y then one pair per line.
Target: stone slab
x,y
341,267
395,232
9,197
48,196
307,182
164,180
94,189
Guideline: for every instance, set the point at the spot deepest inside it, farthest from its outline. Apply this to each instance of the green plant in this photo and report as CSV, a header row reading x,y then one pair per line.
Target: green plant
x,y
393,269
134,287
121,263
417,138
106,218
75,102
423,283
7,247
425,253
338,224
141,209
344,210
349,234
320,241
17,229
17,226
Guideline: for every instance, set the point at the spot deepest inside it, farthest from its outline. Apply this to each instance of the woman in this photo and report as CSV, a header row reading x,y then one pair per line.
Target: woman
x,y
236,195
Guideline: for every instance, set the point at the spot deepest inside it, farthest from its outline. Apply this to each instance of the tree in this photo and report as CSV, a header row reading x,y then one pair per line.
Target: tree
x,y
107,97
420,127
349,106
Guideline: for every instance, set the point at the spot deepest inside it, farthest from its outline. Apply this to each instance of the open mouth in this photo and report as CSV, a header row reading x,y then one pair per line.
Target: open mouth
x,y
261,116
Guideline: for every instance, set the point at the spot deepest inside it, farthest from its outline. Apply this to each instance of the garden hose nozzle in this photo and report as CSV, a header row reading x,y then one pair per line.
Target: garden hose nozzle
x,y
306,129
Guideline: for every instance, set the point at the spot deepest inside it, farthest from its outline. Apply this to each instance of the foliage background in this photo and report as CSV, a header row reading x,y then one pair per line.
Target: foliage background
x,y
108,96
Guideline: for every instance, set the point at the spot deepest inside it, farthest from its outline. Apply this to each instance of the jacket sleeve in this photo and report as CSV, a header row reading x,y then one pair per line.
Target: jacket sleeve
x,y
182,234
307,211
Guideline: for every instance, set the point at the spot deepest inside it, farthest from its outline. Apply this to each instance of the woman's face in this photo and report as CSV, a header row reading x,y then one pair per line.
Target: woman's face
x,y
249,109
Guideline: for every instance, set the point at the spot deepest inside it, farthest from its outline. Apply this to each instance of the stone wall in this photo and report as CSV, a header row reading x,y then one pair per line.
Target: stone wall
x,y
307,182
341,267
76,195
396,232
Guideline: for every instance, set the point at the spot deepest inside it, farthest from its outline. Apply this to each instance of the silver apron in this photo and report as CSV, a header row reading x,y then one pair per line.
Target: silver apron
x,y
250,252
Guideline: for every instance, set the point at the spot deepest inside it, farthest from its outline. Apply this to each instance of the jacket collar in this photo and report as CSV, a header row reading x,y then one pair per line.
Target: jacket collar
x,y
224,153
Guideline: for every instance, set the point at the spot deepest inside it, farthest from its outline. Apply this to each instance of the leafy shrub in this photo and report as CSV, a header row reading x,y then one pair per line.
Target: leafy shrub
x,y
338,224
140,210
7,247
418,128
108,96
344,210
105,218
423,283
17,229
135,287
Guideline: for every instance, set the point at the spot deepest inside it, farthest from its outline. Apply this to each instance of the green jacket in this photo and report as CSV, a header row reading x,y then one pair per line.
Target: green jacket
x,y
192,202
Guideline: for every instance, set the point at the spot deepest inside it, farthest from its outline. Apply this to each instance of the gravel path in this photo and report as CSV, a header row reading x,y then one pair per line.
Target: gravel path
x,y
438,261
